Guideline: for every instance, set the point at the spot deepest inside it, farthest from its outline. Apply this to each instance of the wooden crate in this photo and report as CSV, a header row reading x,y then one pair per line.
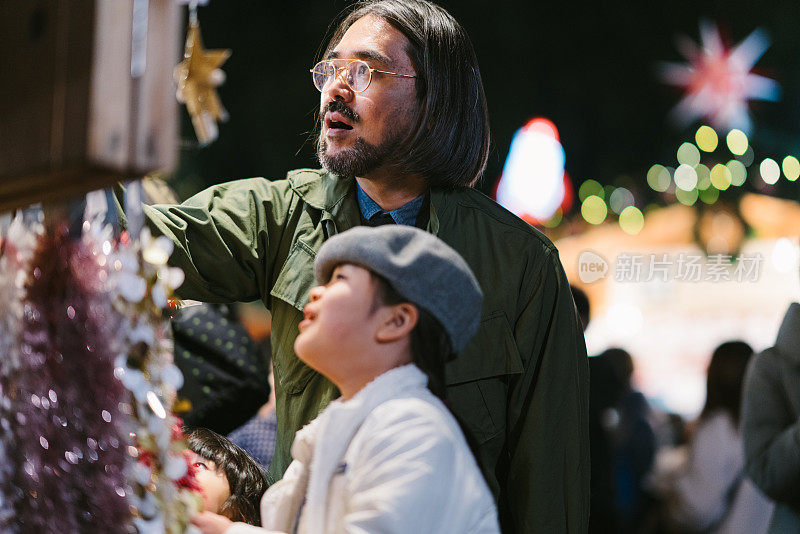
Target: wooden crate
x,y
72,116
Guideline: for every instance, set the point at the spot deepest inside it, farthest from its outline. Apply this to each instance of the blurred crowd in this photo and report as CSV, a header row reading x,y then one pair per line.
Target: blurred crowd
x,y
733,469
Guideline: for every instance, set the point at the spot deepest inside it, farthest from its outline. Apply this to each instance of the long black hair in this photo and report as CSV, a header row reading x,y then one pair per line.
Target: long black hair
x,y
725,377
449,144
246,479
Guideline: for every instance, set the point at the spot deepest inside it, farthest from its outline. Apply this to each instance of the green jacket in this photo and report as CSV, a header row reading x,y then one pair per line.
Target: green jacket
x,y
521,386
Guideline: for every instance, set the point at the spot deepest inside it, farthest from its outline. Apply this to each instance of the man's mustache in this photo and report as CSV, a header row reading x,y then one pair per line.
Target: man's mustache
x,y
337,106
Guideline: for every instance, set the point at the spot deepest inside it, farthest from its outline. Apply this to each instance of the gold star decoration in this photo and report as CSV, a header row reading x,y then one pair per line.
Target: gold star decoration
x,y
198,77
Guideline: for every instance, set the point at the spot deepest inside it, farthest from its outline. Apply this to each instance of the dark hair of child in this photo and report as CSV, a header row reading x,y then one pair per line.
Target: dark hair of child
x,y
246,479
430,345
430,350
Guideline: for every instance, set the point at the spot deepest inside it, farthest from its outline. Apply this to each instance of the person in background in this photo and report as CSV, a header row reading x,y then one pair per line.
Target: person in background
x,y
622,444
708,490
582,305
225,371
603,392
771,423
232,483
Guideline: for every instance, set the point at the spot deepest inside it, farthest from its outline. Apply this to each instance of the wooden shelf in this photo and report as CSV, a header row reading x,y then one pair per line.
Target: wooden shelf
x,y
74,118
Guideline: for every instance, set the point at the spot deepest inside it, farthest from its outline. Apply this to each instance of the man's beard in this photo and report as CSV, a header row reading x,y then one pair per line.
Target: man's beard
x,y
360,159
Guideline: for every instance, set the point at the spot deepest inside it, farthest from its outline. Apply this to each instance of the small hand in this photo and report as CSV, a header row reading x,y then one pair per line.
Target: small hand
x,y
211,523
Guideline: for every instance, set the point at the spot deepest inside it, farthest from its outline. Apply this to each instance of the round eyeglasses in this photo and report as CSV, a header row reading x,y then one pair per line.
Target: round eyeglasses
x,y
357,74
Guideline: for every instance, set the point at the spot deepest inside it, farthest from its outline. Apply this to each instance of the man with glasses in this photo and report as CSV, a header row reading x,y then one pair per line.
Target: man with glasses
x,y
404,134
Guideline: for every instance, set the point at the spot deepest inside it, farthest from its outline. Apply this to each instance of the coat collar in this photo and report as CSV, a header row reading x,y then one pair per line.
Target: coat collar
x,y
789,332
335,197
384,387
319,188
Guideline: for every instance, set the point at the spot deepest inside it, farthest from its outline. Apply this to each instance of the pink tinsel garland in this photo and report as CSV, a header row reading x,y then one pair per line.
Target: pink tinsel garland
x,y
69,433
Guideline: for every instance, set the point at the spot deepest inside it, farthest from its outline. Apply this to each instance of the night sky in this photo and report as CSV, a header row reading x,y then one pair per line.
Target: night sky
x,y
588,67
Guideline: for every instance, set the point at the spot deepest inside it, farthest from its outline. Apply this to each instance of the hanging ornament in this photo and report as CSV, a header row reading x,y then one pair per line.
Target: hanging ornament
x,y
718,81
165,494
198,77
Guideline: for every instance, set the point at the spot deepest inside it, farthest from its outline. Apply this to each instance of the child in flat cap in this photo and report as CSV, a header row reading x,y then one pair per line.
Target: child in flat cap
x,y
388,456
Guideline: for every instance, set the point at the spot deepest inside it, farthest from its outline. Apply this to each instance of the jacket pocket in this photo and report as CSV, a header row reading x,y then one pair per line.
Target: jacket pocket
x,y
295,280
477,380
296,277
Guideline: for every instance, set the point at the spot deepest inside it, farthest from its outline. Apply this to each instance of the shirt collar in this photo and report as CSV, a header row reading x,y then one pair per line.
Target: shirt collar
x,y
405,214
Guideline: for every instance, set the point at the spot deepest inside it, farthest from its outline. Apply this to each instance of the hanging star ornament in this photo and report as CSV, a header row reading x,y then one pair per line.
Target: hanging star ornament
x,y
718,80
198,77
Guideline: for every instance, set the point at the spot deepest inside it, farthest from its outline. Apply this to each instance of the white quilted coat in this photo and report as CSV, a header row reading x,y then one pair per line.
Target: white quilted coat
x,y
391,459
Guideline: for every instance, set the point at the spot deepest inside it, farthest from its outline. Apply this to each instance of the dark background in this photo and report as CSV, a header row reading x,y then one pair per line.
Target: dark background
x,y
588,67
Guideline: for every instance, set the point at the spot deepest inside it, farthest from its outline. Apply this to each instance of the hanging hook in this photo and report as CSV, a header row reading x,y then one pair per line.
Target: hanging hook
x,y
193,12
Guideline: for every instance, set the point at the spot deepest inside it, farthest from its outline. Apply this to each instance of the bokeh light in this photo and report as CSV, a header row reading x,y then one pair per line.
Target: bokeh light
x,y
720,177
658,178
685,177
706,139
709,196
532,184
703,177
589,188
594,209
785,255
791,168
770,171
555,220
738,172
631,220
686,198
737,142
688,154
748,157
620,199
624,319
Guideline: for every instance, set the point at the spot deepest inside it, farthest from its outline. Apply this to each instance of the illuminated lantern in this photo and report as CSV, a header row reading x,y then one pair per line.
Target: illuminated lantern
x,y
532,185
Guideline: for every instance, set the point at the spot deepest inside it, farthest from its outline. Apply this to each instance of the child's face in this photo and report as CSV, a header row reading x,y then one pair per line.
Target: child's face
x,y
338,320
213,482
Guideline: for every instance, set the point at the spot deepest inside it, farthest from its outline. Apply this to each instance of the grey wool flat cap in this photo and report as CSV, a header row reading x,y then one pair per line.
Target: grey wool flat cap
x,y
418,265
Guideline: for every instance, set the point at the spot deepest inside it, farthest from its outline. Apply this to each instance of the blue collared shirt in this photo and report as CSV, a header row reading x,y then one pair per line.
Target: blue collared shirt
x,y
405,214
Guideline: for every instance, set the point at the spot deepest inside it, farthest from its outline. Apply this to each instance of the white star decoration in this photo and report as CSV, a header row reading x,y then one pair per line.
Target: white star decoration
x,y
717,79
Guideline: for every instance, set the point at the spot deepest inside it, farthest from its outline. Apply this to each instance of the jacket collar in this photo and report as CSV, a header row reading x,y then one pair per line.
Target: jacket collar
x,y
335,197
789,332
319,188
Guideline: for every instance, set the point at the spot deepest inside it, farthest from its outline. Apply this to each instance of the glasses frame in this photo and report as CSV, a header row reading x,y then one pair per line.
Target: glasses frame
x,y
339,70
